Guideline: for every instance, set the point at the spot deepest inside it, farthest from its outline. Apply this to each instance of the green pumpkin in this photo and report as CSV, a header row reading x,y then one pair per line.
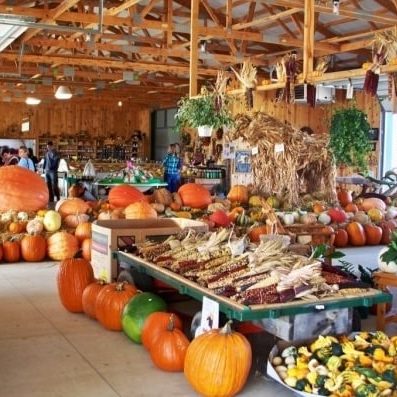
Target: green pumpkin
x,y
243,219
136,312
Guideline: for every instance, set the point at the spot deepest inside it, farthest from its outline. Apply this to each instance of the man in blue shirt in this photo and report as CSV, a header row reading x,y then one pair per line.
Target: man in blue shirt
x,y
172,169
24,160
51,163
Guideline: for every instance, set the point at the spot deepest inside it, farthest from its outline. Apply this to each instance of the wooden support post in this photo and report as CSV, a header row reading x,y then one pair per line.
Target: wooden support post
x,y
308,39
194,29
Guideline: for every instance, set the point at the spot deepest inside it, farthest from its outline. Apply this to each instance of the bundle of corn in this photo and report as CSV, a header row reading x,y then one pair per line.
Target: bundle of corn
x,y
247,78
289,160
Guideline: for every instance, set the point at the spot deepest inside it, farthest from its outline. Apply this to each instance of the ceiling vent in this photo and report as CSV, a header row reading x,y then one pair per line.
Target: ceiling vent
x,y
300,91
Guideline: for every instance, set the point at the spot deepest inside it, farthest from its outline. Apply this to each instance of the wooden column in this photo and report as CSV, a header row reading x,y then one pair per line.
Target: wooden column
x,y
308,39
194,25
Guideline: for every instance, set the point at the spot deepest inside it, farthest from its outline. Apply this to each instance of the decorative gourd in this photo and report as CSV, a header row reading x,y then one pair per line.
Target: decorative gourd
x,y
234,213
17,227
83,231
176,198
375,214
86,248
159,208
288,219
308,219
373,234
168,350
89,297
34,226
33,248
238,194
318,208
154,324
162,196
74,275
73,220
351,208
110,303
341,238
72,206
373,202
22,189
194,195
361,217
175,206
11,251
243,219
61,246
140,210
183,214
255,201
255,232
344,197
217,363
52,221
337,215
220,218
356,234
391,213
136,312
124,195
324,218
273,201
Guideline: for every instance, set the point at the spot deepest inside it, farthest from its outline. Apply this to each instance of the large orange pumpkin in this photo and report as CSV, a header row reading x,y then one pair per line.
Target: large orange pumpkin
x,y
33,248
83,231
12,251
156,323
90,295
373,234
218,362
110,303
238,194
373,202
140,210
74,275
356,234
341,238
168,351
194,195
22,189
86,248
344,197
72,206
62,245
124,195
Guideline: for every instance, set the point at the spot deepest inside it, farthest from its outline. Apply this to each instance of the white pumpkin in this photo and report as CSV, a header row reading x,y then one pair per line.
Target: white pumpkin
x,y
288,219
391,213
35,226
324,218
22,216
52,221
390,267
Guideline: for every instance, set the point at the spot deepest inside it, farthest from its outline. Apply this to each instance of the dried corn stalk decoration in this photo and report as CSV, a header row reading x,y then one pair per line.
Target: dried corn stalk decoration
x,y
287,71
220,90
247,78
322,64
304,165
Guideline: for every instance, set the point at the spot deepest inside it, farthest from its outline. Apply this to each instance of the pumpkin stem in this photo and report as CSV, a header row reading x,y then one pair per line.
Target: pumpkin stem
x,y
120,286
171,323
227,328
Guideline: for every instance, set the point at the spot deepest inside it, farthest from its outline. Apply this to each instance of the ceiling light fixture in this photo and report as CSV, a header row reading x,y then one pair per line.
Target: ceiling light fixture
x,y
120,104
63,92
32,101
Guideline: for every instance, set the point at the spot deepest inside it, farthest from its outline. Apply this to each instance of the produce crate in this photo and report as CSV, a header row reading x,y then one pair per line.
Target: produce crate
x,y
319,234
112,235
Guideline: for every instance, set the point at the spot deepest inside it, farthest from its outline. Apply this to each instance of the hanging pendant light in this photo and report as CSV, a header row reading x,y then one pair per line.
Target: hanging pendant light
x,y
32,101
63,92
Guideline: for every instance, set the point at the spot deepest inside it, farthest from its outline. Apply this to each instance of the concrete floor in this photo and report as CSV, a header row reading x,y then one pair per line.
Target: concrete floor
x,y
46,351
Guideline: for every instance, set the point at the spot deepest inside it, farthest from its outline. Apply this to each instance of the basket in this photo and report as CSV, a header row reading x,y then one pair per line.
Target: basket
x,y
319,234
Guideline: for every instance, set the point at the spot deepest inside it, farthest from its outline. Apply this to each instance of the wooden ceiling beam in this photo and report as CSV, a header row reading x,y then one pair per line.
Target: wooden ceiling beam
x,y
194,36
308,39
250,17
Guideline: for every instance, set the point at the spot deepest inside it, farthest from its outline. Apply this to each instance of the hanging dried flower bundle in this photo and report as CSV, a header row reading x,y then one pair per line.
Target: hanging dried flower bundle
x,y
247,78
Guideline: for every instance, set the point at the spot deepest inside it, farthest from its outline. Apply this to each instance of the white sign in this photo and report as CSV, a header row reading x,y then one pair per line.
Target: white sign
x,y
209,316
279,148
255,150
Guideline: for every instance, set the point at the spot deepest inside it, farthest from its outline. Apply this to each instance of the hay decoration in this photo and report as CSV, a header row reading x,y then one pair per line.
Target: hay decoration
x,y
289,161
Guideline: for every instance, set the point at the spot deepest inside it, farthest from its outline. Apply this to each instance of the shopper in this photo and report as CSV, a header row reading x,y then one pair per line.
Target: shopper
x,y
51,163
33,158
8,157
172,169
24,160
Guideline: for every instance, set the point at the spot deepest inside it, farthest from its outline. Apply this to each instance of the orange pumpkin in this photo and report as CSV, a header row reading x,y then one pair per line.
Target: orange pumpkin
x,y
168,350
72,206
33,248
344,197
75,219
373,234
22,189
175,206
162,196
194,195
140,210
255,233
356,234
318,208
238,194
351,208
110,303
373,202
12,251
387,232
154,325
61,246
90,295
74,275
234,213
17,227
124,195
341,238
86,248
83,231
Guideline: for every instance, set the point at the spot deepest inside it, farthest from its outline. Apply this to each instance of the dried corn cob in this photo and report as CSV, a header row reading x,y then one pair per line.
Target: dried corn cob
x,y
225,278
260,296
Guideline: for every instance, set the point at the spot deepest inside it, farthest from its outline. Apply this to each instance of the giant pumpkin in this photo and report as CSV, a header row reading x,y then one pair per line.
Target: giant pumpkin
x,y
140,210
194,195
62,245
73,277
218,362
356,234
33,248
124,195
22,189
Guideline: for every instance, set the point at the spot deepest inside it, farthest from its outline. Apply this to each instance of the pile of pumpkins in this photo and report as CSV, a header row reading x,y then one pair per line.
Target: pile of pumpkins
x,y
216,363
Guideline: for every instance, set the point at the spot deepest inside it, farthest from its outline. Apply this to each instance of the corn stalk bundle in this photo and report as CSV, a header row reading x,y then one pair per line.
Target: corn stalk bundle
x,y
301,163
247,78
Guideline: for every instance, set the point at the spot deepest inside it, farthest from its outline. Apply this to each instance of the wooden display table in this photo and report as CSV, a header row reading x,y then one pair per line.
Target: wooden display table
x,y
384,280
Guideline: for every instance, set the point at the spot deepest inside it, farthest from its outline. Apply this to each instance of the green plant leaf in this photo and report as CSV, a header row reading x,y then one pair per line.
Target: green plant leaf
x,y
337,255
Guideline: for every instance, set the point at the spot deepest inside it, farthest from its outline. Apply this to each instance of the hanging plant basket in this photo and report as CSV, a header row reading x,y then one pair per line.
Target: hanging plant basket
x,y
205,131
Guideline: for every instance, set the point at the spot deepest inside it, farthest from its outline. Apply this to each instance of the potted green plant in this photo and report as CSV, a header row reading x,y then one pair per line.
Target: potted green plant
x,y
203,113
349,141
